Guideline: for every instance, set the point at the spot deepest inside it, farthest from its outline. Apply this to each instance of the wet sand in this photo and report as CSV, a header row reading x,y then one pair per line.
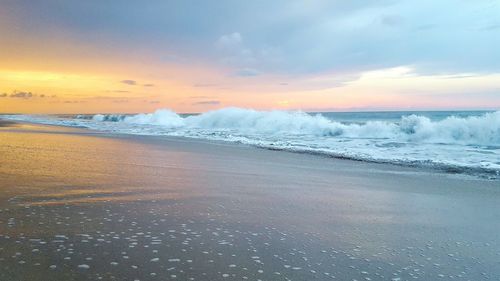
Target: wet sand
x,y
83,205
4,123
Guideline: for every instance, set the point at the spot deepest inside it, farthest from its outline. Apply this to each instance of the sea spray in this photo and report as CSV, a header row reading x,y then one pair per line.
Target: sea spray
x,y
483,129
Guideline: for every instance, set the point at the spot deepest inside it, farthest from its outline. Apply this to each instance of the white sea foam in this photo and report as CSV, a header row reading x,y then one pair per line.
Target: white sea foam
x,y
484,129
459,142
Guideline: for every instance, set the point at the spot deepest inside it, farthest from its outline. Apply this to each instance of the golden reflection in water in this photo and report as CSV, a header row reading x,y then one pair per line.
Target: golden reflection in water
x,y
57,165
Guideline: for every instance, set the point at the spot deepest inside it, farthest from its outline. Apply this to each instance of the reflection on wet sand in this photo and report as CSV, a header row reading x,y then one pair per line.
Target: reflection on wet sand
x,y
78,197
75,205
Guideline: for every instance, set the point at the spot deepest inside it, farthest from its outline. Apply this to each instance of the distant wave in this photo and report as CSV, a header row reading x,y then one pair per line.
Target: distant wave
x,y
104,117
484,130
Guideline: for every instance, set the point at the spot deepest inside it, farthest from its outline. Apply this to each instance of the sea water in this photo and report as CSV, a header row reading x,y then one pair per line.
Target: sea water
x,y
455,141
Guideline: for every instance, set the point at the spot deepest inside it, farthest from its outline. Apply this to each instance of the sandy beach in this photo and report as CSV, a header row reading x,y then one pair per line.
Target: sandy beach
x,y
82,205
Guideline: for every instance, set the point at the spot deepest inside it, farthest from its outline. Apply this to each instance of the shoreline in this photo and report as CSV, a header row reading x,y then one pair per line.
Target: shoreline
x,y
351,163
448,169
97,205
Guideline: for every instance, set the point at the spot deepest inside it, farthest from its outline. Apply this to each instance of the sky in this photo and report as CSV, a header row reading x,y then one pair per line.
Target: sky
x,y
66,56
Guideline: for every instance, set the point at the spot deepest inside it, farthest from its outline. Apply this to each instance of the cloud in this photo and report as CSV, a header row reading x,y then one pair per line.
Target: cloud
x,y
208,102
491,27
117,91
129,82
74,101
392,20
338,36
247,72
281,37
233,51
229,42
24,95
134,82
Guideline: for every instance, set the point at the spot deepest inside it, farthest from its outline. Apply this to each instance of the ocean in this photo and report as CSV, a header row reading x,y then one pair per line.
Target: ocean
x,y
454,141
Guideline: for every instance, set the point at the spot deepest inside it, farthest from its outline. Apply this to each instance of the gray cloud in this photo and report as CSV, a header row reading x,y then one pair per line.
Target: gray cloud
x,y
358,36
129,82
117,91
283,36
74,101
392,20
208,102
491,27
134,82
24,95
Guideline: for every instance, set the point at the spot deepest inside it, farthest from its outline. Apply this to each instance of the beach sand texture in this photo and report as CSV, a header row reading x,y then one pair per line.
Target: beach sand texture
x,y
83,205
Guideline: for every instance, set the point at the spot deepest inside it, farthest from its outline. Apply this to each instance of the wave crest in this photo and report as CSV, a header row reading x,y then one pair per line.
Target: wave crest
x,y
484,129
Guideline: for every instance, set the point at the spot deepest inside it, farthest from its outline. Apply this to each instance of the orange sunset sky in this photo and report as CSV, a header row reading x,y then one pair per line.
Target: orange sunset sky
x,y
189,56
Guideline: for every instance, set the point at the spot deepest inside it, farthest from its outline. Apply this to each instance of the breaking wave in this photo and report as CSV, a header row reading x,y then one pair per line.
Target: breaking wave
x,y
465,142
484,129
